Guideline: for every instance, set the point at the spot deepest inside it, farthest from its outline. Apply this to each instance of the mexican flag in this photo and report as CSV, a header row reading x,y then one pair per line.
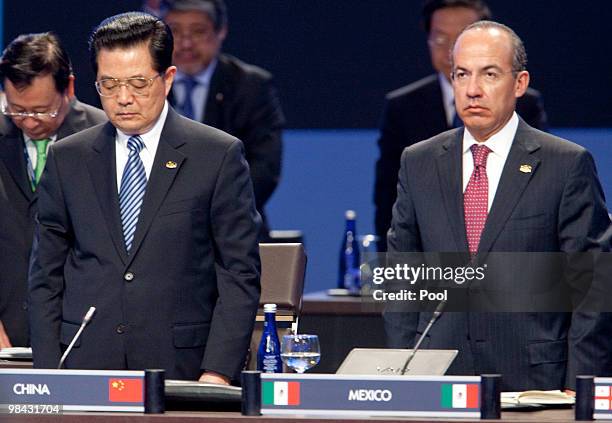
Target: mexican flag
x,y
460,395
603,397
281,393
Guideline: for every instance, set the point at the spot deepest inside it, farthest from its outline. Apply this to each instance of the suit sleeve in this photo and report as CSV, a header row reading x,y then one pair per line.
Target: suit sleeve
x,y
403,237
584,226
235,227
387,168
531,108
52,240
262,136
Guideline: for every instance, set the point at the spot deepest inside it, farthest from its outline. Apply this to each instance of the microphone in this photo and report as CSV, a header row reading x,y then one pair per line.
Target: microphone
x,y
437,313
84,323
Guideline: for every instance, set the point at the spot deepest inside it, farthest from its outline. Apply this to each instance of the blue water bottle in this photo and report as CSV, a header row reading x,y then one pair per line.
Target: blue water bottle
x,y
269,352
348,275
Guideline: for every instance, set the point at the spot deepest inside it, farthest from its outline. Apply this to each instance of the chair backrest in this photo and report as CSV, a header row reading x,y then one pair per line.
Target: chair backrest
x,y
283,267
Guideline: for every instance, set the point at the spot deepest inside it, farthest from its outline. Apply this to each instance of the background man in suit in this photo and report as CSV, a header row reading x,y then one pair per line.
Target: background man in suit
x,y
39,108
224,92
499,185
151,219
426,107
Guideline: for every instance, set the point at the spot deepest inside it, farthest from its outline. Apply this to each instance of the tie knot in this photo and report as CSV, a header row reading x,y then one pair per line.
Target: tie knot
x,y
135,143
41,145
480,154
189,83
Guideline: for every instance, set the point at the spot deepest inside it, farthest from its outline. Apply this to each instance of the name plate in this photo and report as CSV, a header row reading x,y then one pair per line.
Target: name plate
x,y
346,395
602,408
40,391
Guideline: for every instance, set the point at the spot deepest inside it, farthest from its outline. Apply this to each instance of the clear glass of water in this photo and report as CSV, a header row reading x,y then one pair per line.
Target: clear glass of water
x,y
300,352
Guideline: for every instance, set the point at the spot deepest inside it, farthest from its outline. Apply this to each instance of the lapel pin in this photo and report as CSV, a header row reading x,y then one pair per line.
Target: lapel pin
x,y
525,168
219,97
171,165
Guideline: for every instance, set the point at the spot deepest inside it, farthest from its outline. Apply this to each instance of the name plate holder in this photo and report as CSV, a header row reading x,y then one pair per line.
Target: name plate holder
x,y
46,391
363,395
593,398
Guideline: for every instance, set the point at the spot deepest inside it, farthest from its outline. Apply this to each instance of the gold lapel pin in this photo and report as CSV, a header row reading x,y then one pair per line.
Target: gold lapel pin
x,y
171,165
525,168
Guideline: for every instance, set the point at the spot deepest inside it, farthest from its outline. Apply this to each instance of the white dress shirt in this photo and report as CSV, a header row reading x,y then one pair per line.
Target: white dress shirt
x,y
500,145
147,154
200,91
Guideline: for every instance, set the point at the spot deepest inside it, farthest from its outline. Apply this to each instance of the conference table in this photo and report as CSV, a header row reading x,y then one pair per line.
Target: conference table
x,y
550,416
342,323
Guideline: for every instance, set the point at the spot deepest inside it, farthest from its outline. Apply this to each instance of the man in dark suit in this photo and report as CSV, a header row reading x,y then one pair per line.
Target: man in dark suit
x,y
426,107
149,218
222,91
39,109
499,185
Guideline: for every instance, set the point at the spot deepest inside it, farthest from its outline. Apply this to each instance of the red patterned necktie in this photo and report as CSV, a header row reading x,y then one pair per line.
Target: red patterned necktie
x,y
476,197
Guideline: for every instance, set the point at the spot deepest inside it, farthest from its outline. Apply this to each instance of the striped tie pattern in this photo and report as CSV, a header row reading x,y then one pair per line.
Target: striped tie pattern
x,y
476,197
133,186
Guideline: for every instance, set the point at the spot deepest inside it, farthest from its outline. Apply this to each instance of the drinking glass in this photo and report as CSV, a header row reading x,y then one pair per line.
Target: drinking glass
x,y
300,352
369,260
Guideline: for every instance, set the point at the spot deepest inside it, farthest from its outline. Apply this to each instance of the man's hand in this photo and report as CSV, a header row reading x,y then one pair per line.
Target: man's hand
x,y
4,339
212,377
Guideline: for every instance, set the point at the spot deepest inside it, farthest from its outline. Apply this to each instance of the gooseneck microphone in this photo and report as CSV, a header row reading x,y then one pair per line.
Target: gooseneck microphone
x,y
84,323
437,313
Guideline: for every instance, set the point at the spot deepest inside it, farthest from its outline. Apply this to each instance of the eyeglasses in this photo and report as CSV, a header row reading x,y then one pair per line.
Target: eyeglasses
x,y
193,33
440,41
138,85
34,115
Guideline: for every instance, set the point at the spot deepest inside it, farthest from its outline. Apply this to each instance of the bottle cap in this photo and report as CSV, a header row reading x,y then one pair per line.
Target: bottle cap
x,y
269,308
350,214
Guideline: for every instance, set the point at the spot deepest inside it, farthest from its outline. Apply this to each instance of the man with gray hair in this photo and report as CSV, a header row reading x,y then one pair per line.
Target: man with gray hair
x,y
499,185
221,91
426,107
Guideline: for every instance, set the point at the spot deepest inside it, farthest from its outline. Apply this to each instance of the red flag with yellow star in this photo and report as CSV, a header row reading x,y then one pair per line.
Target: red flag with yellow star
x,y
125,390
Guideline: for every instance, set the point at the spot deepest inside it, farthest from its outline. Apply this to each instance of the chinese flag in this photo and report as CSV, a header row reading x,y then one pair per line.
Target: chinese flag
x,y
125,390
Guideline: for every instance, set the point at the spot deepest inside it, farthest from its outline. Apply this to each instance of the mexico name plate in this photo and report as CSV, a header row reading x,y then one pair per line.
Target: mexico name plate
x,y
41,391
352,395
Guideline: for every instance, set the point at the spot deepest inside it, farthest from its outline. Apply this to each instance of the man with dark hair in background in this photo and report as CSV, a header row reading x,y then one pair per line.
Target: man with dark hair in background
x,y
149,218
39,109
426,107
222,91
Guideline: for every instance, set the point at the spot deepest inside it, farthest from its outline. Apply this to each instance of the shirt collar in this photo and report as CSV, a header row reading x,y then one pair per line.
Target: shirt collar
x,y
499,143
27,139
203,77
150,138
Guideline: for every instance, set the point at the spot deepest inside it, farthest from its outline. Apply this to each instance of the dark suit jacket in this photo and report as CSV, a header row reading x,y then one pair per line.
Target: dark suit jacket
x,y
557,207
243,102
185,297
18,205
414,113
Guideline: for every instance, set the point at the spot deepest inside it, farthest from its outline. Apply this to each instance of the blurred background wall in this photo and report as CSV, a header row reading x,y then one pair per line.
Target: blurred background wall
x,y
334,60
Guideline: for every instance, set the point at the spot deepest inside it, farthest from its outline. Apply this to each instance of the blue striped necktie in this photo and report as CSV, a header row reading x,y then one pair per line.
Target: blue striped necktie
x,y
132,191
